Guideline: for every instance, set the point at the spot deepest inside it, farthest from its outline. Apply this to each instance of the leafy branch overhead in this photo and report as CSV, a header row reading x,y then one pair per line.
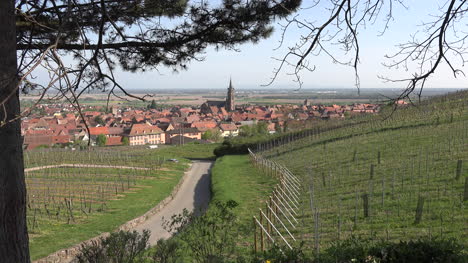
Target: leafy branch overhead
x,y
136,34
100,35
133,34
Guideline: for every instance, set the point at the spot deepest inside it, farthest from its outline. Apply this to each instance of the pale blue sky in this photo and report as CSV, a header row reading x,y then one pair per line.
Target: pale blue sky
x,y
253,66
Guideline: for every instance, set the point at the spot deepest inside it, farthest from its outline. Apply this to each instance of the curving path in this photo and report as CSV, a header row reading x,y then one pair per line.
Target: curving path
x,y
194,195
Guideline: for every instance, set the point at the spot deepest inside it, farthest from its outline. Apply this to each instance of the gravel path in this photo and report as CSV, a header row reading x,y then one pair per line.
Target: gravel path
x,y
194,194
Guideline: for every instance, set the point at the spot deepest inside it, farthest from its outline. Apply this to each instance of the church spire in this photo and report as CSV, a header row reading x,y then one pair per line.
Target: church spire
x,y
230,97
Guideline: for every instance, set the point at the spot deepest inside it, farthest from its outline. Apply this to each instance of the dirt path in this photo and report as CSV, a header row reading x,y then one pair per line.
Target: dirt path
x,y
194,194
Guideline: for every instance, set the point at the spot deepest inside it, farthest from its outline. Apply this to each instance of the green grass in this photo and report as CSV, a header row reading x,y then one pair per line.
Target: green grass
x,y
189,151
419,149
51,234
235,178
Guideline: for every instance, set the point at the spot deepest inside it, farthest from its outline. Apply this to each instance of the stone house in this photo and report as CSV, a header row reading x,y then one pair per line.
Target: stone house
x,y
141,134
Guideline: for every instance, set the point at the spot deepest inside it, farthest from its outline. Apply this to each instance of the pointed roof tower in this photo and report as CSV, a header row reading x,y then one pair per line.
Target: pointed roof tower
x,y
230,97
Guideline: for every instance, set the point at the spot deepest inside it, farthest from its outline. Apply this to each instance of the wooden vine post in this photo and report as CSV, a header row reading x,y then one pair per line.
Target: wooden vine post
x,y
419,210
459,169
255,235
465,195
262,247
365,199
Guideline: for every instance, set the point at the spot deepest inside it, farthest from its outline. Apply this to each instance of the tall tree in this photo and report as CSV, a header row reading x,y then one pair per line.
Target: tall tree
x,y
99,120
100,35
152,105
101,140
13,234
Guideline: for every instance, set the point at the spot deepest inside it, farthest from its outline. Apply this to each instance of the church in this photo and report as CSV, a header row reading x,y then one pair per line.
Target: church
x,y
211,105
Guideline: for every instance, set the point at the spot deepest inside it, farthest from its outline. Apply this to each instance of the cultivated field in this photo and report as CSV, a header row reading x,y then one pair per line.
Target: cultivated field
x,y
76,195
398,178
168,98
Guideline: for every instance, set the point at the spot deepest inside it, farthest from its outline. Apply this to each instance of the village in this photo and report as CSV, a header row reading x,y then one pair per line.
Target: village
x,y
60,125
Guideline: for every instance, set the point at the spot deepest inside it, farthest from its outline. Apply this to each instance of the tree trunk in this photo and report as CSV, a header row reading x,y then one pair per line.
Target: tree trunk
x,y
14,242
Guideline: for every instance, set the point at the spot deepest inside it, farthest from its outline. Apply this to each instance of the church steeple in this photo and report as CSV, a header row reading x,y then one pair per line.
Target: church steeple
x,y
230,97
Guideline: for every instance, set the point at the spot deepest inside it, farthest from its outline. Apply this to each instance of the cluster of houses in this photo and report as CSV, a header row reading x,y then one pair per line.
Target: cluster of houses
x,y
59,124
169,126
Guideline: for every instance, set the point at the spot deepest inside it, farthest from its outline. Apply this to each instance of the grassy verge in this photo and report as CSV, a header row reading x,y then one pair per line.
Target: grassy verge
x,y
235,178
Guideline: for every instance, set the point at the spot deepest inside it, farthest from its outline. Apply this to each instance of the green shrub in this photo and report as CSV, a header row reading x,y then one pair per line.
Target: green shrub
x,y
240,145
212,134
101,140
119,247
43,146
125,141
415,251
166,251
422,250
210,237
282,255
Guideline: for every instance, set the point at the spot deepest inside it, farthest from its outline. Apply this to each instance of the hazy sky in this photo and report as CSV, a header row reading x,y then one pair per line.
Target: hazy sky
x,y
253,65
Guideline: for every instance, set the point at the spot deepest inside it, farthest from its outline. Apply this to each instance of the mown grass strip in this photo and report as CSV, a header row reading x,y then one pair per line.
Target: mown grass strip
x,y
235,178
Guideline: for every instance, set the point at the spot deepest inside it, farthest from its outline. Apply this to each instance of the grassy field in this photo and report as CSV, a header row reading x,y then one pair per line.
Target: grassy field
x,y
67,205
415,155
190,151
235,178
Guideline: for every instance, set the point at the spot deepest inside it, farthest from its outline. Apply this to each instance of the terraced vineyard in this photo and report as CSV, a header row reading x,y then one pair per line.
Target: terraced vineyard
x,y
398,176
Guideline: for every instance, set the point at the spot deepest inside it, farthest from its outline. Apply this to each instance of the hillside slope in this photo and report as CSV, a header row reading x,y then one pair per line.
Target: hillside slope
x,y
386,166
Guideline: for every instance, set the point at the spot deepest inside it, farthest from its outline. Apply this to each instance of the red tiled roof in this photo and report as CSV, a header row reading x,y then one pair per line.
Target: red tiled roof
x,y
92,113
115,130
39,132
98,130
117,140
223,111
139,129
204,125
214,109
228,127
329,109
187,110
193,118
163,120
60,139
237,118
